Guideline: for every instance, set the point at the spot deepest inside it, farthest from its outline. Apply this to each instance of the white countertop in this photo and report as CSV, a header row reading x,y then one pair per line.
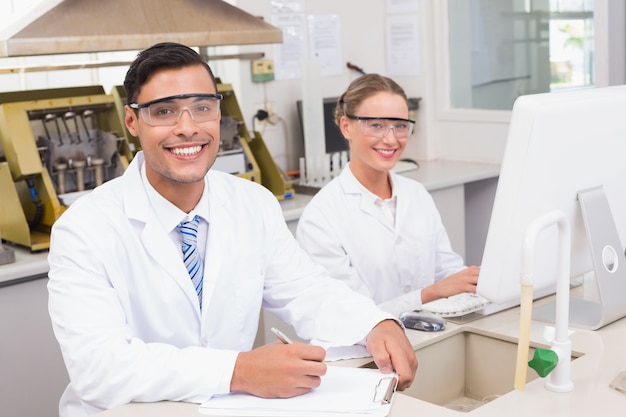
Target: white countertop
x,y
438,174
26,265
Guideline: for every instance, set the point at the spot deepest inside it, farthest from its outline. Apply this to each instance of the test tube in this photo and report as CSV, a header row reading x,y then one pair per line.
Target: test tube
x,y
326,169
302,171
336,167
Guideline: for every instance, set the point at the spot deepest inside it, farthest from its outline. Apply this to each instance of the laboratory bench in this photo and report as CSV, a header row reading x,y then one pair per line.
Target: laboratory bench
x,y
599,356
30,359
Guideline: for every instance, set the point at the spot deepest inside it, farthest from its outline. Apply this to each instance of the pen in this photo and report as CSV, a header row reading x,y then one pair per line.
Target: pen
x,y
281,336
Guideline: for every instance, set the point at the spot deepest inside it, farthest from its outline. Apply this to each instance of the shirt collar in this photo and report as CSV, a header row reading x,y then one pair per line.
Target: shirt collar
x,y
371,197
168,214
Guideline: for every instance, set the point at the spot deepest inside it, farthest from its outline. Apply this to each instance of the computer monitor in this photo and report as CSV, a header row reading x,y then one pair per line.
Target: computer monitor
x,y
333,139
558,145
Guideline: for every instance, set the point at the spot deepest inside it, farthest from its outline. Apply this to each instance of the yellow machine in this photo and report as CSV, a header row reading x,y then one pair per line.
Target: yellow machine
x,y
60,143
237,144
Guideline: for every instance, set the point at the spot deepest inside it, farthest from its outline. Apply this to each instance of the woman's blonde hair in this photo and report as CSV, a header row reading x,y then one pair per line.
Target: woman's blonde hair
x,y
362,88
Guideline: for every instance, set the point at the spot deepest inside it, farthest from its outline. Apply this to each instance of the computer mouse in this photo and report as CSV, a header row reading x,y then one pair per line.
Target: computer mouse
x,y
422,320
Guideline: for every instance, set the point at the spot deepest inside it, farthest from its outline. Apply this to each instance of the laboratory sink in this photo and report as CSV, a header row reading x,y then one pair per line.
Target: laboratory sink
x,y
467,369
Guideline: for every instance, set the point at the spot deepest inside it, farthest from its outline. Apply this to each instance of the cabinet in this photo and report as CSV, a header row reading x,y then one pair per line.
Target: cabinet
x,y
32,376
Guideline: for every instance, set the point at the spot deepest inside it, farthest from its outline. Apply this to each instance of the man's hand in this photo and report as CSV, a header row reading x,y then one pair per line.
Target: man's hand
x,y
392,351
279,370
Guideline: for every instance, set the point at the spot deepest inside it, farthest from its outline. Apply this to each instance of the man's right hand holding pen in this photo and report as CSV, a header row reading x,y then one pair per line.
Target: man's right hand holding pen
x,y
279,370
286,369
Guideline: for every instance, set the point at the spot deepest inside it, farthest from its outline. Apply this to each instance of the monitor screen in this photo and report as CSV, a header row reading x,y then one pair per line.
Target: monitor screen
x,y
558,144
334,140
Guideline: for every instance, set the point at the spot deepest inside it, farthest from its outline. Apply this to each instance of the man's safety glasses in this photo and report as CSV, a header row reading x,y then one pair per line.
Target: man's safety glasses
x,y
378,127
166,111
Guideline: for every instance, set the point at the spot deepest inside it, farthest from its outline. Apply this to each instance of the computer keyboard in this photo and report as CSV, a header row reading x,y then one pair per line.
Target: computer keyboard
x,y
456,305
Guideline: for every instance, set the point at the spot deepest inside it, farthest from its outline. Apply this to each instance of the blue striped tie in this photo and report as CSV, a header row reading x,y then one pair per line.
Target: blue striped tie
x,y
191,256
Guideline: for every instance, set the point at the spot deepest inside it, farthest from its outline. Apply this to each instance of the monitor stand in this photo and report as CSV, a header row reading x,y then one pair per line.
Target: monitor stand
x,y
609,263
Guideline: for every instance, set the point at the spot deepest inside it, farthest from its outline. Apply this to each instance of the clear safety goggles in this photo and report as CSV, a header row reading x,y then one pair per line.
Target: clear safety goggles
x,y
379,127
167,111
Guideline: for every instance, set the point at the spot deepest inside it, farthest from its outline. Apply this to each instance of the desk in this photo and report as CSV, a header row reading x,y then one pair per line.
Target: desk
x,y
32,373
604,356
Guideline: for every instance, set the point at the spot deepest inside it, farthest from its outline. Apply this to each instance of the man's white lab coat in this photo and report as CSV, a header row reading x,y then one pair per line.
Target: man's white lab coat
x,y
126,314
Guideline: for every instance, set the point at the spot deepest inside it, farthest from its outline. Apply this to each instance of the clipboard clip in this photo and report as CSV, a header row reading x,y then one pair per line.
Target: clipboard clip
x,y
384,390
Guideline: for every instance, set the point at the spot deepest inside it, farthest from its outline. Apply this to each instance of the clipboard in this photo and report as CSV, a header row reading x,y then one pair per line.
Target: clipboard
x,y
343,391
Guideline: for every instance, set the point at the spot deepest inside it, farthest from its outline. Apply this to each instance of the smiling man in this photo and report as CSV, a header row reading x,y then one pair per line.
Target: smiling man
x,y
158,277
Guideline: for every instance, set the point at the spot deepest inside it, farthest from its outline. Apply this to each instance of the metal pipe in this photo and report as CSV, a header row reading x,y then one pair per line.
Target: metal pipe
x,y
50,116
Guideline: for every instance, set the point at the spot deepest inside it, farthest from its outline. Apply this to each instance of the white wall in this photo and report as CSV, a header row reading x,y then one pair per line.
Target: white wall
x,y
363,44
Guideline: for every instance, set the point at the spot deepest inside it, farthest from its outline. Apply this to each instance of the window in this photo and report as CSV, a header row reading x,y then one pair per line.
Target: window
x,y
501,49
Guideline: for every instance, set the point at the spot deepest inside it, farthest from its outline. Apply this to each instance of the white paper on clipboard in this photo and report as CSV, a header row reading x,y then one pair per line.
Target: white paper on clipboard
x,y
343,391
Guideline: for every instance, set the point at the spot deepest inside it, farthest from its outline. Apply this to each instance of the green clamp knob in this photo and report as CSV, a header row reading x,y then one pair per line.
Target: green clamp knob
x,y
544,361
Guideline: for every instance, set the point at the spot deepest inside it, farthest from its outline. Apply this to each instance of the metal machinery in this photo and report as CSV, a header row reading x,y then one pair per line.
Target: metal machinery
x,y
239,147
57,144
60,143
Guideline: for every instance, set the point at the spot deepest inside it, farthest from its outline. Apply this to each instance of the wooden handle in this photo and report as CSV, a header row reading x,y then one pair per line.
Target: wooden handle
x,y
523,343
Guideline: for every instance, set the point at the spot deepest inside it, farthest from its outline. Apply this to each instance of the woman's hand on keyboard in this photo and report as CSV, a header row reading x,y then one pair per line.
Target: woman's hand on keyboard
x,y
463,281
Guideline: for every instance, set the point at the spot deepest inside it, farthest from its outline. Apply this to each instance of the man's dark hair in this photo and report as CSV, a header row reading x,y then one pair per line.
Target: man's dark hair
x,y
166,55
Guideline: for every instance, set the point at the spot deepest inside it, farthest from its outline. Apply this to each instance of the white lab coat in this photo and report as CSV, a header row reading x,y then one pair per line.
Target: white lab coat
x,y
125,312
345,231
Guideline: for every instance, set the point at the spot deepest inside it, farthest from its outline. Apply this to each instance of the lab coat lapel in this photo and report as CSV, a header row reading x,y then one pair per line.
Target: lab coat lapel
x,y
221,216
154,239
403,214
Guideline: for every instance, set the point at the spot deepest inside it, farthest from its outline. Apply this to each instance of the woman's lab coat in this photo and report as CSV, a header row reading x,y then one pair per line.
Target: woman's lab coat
x,y
342,229
126,314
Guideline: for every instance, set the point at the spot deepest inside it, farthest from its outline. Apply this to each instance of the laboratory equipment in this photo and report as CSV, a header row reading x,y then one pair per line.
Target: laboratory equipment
x,y
50,157
316,171
243,152
559,145
61,143
7,255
